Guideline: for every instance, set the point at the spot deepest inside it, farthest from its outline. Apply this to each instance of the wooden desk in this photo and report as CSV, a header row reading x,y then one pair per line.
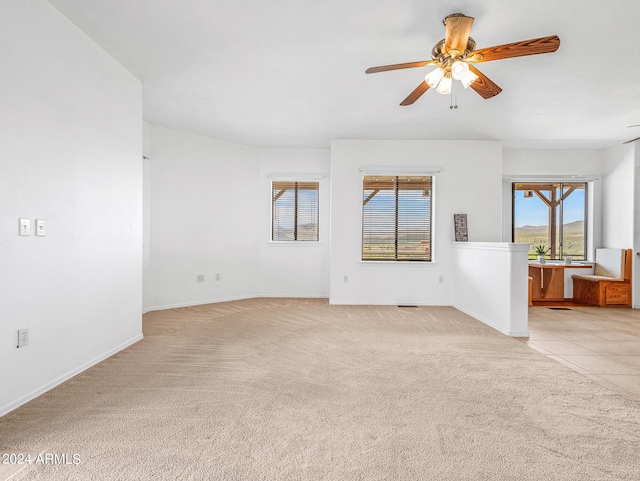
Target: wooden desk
x,y
548,280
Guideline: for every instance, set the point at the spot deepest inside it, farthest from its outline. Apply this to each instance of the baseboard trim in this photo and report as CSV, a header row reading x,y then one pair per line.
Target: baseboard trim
x,y
227,299
6,409
196,303
396,303
492,325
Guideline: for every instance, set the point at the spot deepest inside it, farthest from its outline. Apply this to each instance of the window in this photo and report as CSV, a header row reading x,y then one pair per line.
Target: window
x,y
294,211
551,214
396,218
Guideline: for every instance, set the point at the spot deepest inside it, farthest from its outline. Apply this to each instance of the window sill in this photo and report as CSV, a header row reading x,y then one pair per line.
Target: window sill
x,y
295,243
398,263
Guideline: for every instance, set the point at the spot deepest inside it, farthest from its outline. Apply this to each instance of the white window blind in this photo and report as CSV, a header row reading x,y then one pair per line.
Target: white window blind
x,y
396,218
294,211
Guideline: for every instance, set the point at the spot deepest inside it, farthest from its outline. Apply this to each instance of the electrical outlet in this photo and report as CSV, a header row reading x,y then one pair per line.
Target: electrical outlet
x,y
23,337
25,227
200,278
345,278
441,279
217,276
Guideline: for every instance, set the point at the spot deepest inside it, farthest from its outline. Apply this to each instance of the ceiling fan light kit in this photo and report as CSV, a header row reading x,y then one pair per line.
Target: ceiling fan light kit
x,y
444,86
433,78
458,69
453,54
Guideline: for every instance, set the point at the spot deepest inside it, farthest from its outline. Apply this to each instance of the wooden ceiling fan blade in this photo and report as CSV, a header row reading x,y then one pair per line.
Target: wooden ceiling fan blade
x,y
416,94
534,46
398,66
486,87
457,31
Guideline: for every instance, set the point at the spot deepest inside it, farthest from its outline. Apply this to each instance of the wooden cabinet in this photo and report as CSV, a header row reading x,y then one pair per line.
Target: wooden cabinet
x,y
603,291
549,280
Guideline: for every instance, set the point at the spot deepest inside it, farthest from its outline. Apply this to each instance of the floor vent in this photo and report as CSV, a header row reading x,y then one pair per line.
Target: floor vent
x,y
407,306
559,308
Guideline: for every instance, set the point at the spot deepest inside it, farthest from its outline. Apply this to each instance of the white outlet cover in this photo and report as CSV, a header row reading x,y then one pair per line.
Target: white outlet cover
x,y
23,337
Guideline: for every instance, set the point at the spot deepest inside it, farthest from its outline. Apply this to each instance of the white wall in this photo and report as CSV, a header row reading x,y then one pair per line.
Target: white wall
x,y
620,211
469,183
204,219
636,229
552,162
146,216
210,214
618,204
70,153
294,269
490,284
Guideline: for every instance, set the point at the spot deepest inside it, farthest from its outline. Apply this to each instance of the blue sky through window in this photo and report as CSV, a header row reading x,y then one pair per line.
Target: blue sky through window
x,y
532,211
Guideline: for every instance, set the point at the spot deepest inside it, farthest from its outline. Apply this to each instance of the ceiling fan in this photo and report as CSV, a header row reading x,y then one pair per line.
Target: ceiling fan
x,y
632,140
455,54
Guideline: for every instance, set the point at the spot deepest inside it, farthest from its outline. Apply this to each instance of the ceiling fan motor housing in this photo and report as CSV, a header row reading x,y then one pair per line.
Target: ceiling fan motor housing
x,y
438,54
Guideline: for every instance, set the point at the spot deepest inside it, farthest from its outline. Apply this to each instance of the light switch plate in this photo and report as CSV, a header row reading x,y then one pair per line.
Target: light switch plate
x,y
40,227
25,227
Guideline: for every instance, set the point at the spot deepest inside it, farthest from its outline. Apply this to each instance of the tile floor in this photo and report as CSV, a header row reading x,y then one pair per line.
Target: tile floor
x,y
602,344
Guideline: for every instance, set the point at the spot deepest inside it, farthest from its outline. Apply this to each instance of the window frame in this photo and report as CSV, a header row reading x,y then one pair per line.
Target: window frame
x,y
559,216
431,214
296,181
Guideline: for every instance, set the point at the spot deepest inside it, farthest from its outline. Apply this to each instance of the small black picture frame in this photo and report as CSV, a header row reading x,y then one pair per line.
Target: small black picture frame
x,y
460,226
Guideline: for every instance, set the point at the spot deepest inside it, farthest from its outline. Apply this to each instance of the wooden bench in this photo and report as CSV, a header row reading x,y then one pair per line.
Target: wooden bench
x,y
610,285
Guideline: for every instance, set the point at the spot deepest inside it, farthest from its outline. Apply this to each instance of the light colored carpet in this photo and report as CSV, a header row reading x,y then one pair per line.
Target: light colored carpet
x,y
282,389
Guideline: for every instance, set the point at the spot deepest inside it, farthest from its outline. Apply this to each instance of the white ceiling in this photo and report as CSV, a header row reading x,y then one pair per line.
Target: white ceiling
x,y
285,73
